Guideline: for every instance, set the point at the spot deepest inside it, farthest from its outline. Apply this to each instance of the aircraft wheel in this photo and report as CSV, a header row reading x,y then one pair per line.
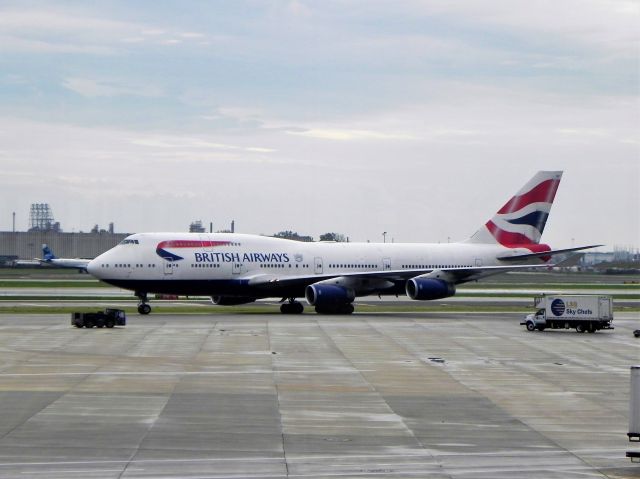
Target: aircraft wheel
x,y
144,309
291,308
340,309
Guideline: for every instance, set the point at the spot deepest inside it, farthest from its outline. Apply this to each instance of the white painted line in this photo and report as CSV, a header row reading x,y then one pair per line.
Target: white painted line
x,y
193,373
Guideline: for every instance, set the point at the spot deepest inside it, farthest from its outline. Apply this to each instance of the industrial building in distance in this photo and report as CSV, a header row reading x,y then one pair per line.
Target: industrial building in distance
x,y
43,229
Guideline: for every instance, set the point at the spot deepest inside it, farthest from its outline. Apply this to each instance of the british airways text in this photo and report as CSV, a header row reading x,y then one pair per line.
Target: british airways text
x,y
245,258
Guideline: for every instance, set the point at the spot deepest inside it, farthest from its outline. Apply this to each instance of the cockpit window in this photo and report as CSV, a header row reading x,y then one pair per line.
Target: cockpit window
x,y
129,241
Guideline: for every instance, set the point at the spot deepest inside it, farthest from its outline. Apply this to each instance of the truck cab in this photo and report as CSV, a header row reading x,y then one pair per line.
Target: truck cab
x,y
536,320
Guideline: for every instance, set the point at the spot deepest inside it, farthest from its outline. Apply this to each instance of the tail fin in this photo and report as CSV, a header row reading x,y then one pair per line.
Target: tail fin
x,y
47,254
522,219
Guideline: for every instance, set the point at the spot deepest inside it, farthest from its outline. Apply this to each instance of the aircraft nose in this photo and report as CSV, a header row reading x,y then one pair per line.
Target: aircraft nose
x,y
93,268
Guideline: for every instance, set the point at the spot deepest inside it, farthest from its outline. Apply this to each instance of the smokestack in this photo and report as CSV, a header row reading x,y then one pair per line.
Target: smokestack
x,y
14,221
211,227
233,226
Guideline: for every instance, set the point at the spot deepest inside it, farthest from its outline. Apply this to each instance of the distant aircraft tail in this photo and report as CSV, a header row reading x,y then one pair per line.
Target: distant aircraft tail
x,y
47,254
521,221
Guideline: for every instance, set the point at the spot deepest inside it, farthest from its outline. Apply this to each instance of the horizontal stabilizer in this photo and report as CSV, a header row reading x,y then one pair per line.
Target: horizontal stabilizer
x,y
552,252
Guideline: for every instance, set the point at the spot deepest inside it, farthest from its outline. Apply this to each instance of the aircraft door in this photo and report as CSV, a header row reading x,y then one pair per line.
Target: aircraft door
x,y
386,264
236,268
478,262
168,267
317,265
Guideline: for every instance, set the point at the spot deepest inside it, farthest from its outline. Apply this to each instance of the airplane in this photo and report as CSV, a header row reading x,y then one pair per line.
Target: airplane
x,y
48,258
240,268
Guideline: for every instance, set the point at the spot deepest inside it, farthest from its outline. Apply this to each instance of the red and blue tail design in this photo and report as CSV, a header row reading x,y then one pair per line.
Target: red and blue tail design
x,y
520,222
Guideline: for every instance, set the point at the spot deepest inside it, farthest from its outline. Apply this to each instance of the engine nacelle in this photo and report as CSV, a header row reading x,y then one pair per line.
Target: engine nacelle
x,y
327,295
231,300
428,288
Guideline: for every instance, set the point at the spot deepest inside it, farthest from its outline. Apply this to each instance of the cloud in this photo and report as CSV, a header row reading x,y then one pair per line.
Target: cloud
x,y
60,31
585,132
189,143
28,45
57,21
103,88
348,135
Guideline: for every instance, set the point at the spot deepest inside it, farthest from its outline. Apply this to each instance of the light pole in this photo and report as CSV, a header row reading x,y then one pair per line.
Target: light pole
x,y
384,237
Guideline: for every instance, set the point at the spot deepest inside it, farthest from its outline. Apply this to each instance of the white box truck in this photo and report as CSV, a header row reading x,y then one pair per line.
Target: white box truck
x,y
584,312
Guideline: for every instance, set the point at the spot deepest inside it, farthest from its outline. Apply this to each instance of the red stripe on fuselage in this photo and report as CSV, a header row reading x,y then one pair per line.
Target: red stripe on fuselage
x,y
545,192
190,244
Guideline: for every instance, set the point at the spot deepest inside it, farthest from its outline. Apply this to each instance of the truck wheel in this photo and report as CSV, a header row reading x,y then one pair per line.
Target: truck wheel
x,y
580,328
88,324
110,323
530,326
541,328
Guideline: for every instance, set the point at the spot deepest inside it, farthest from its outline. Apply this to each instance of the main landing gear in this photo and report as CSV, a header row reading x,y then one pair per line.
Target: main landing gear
x,y
292,307
143,306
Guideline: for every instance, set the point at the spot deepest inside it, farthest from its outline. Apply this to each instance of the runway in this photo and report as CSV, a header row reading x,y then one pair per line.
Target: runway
x,y
386,395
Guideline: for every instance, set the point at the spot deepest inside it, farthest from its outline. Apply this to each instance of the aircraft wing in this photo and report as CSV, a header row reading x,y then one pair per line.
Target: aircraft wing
x,y
455,275
540,254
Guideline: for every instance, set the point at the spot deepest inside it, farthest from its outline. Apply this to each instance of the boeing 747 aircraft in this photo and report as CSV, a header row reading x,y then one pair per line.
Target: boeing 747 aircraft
x,y
239,268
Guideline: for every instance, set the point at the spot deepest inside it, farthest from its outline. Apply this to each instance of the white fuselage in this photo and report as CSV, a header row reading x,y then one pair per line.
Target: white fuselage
x,y
212,264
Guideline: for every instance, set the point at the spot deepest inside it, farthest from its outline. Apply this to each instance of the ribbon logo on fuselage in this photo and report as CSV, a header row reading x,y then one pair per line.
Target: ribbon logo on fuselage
x,y
161,249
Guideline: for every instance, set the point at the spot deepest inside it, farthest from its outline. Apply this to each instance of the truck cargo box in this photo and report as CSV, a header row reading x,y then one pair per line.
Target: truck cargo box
x,y
583,312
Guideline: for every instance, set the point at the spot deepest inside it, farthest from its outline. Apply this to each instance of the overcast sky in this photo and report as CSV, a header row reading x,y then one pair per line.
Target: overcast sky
x,y
416,118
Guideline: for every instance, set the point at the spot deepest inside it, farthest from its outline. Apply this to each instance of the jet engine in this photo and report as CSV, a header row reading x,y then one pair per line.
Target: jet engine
x,y
328,295
429,288
231,300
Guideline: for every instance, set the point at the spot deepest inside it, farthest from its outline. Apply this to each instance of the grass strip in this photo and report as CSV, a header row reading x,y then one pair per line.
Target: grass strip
x,y
487,285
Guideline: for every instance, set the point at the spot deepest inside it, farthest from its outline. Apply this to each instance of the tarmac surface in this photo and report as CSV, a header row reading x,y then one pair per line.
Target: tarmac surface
x,y
385,395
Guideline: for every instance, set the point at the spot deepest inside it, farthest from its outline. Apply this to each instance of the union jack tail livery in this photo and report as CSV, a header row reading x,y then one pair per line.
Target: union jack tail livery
x,y
520,222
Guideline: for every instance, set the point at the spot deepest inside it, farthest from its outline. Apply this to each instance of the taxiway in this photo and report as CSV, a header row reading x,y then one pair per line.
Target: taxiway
x,y
266,396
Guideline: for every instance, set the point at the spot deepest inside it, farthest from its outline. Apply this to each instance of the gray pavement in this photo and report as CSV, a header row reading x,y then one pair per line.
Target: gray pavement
x,y
267,396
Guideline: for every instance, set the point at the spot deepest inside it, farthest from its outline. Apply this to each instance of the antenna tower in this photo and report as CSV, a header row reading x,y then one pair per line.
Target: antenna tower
x,y
41,218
